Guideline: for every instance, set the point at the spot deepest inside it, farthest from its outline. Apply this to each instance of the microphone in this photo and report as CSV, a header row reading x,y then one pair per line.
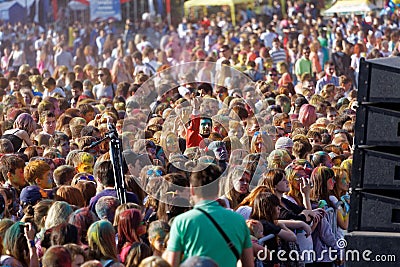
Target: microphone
x,y
92,145
110,126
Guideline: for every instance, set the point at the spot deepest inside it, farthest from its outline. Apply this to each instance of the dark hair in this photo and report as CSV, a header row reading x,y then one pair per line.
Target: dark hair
x,y
271,178
318,158
49,81
264,207
86,108
104,172
77,84
206,87
205,176
10,164
89,131
137,55
64,233
46,114
82,219
59,138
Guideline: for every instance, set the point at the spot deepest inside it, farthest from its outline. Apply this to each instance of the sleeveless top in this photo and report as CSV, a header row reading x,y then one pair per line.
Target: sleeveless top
x,y
15,140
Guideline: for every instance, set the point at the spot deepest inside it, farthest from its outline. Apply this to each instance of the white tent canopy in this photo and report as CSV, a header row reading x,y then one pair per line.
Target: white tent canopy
x,y
350,7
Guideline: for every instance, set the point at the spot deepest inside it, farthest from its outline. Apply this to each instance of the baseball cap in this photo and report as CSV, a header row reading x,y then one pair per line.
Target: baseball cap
x,y
30,195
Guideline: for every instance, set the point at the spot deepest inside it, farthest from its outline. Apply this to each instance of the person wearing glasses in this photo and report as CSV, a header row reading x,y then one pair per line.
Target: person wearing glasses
x,y
330,77
272,77
105,89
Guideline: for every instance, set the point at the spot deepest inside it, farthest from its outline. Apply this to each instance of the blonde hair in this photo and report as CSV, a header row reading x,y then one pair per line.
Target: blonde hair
x,y
267,142
58,213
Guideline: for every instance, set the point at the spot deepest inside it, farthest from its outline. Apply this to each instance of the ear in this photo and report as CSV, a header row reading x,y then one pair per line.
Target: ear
x,y
38,181
9,175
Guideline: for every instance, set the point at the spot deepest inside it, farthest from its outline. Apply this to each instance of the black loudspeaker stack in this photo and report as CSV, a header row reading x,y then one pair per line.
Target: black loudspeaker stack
x,y
374,227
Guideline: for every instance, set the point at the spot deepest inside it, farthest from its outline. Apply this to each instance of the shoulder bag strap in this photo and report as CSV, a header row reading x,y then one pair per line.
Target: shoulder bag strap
x,y
227,240
112,87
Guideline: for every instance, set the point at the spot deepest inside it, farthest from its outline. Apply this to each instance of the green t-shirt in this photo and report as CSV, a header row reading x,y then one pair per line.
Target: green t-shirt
x,y
303,66
193,234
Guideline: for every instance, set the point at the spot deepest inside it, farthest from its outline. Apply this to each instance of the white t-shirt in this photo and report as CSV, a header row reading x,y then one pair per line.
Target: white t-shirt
x,y
56,91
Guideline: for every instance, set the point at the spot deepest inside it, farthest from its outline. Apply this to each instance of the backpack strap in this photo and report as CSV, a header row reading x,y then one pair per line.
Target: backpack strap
x,y
113,89
150,67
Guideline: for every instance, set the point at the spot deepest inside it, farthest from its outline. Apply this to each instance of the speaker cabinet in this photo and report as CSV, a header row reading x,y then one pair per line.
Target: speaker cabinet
x,y
378,125
379,80
375,212
374,249
376,168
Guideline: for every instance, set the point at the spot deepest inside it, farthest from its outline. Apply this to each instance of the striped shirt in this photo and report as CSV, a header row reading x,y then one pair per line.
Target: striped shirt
x,y
277,56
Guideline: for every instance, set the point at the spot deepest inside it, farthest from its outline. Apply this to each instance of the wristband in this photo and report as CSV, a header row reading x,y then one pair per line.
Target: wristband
x,y
32,243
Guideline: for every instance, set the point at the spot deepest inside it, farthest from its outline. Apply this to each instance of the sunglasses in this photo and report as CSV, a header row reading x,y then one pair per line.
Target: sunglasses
x,y
337,131
272,74
154,172
258,133
100,74
86,178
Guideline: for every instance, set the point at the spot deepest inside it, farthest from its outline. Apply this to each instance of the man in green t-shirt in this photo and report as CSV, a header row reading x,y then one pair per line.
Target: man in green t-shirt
x,y
303,64
194,234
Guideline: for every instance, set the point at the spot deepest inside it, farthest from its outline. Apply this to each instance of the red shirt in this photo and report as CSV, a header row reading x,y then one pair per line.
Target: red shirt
x,y
193,138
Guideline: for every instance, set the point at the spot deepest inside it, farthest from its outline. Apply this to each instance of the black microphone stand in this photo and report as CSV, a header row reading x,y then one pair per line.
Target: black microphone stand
x,y
116,160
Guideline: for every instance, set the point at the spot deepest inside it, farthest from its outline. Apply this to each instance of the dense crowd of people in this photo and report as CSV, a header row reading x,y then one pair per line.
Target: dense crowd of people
x,y
237,139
